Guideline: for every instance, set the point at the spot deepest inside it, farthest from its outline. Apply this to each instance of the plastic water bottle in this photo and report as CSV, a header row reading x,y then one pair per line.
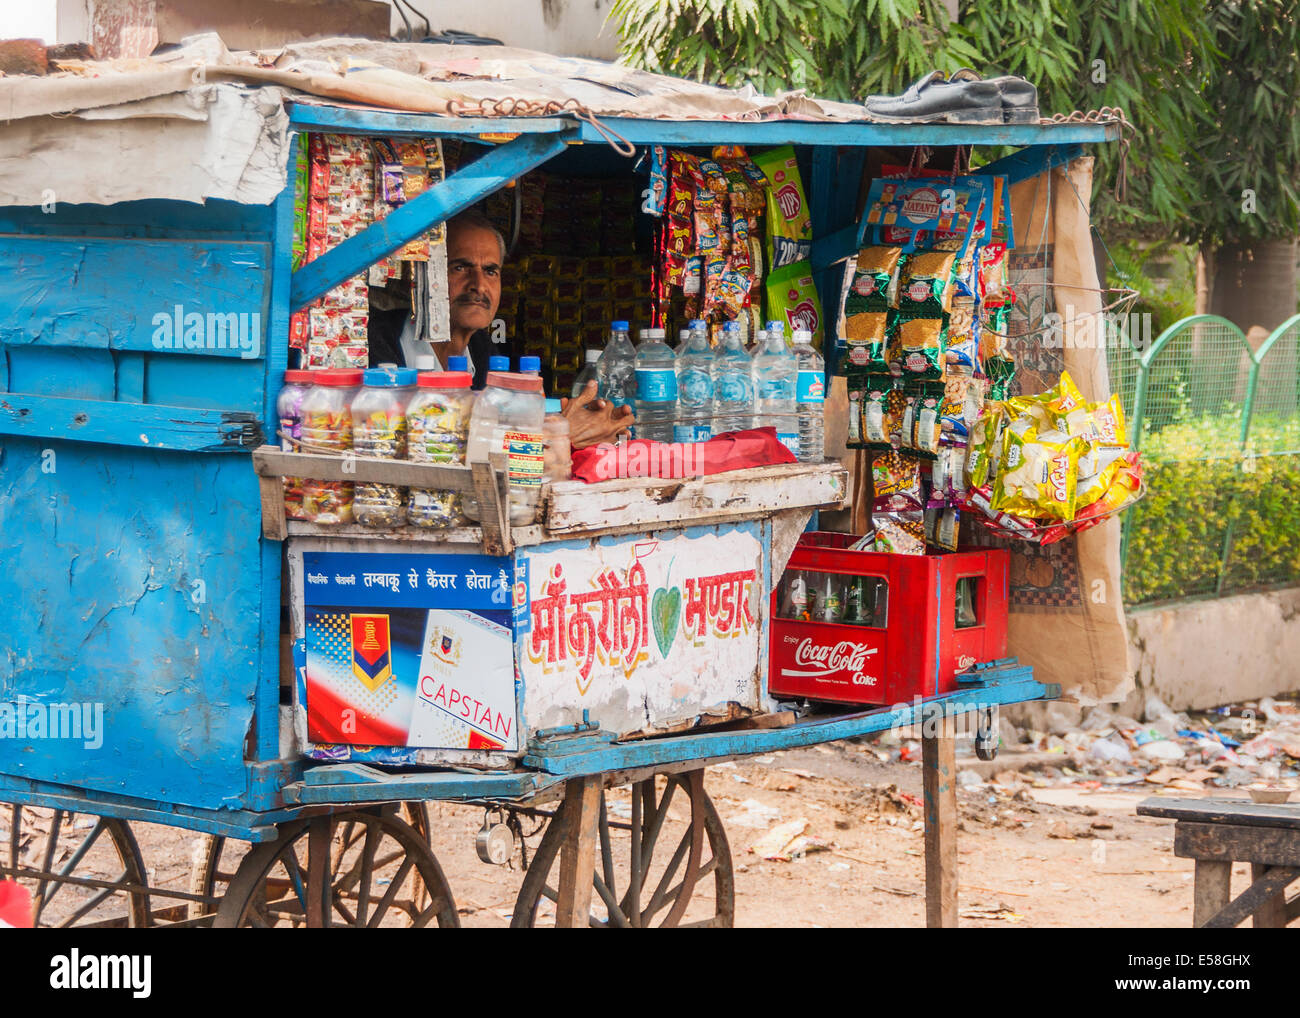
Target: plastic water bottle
x,y
683,337
616,369
587,373
809,397
656,387
530,365
775,369
733,390
457,364
695,386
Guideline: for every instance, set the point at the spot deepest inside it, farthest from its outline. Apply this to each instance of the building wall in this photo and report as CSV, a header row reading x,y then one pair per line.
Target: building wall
x,y
1218,651
131,27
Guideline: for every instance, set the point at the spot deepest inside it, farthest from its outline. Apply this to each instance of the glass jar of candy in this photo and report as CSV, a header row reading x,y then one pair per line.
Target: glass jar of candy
x,y
288,410
379,432
438,429
327,428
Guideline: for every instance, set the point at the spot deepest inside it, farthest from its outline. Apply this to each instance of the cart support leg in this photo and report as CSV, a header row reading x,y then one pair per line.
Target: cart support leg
x,y
939,772
318,872
1212,890
578,852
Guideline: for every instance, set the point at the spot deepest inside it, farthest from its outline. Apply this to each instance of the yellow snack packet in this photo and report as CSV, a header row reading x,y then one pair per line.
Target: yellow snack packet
x,y
1037,477
1097,467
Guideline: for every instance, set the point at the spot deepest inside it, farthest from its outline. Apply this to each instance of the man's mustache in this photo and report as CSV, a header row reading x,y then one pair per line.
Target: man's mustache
x,y
472,299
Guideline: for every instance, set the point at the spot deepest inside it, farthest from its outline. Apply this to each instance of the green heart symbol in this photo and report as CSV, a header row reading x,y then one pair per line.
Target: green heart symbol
x,y
665,613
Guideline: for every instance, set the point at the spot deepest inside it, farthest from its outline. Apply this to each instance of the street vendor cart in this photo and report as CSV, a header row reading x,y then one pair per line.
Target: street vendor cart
x,y
156,591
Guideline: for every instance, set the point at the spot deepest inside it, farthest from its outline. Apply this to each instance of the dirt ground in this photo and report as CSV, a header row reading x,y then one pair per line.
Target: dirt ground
x,y
1032,850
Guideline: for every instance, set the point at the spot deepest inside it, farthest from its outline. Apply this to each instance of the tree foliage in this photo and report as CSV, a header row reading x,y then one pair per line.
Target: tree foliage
x,y
1213,89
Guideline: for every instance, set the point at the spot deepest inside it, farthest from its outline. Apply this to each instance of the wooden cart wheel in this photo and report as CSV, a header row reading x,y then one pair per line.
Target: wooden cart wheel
x,y
659,886
82,871
215,859
355,869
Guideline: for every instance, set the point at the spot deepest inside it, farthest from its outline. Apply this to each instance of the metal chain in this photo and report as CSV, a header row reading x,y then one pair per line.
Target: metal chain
x,y
1105,115
509,106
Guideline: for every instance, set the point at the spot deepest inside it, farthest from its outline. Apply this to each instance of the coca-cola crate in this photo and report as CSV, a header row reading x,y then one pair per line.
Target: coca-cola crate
x,y
920,619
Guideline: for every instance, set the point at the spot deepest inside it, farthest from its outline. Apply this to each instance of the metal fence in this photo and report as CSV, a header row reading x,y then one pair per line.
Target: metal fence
x,y
1218,424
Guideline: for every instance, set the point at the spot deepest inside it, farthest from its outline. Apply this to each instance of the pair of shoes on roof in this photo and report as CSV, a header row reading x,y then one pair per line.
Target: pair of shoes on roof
x,y
964,98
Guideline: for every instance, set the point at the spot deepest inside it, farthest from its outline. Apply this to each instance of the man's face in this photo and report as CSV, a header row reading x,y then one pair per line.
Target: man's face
x,y
473,277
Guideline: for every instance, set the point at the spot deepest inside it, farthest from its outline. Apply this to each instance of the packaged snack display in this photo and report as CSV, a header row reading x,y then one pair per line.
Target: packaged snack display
x,y
792,299
896,481
789,221
437,431
900,533
919,346
872,284
926,284
867,339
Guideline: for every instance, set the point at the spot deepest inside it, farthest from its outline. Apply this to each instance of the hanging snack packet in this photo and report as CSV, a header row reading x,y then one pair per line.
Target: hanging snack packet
x,y
925,284
874,279
919,344
963,335
896,481
878,404
985,440
1000,371
1037,477
941,527
856,387
789,225
900,533
927,422
865,335
792,298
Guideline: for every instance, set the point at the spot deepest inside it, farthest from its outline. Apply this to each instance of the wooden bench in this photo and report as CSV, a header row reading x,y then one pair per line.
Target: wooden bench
x,y
1217,833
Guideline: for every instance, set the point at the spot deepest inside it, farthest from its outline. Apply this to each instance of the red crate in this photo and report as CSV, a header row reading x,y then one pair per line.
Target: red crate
x,y
919,648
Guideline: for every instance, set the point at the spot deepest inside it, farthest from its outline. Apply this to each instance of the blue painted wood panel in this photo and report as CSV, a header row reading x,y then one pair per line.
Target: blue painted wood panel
x,y
128,294
131,584
141,425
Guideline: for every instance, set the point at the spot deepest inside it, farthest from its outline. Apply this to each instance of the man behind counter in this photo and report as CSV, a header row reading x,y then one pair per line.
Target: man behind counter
x,y
475,254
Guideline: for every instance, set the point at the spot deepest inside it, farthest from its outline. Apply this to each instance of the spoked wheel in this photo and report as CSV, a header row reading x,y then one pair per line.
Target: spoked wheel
x,y
82,871
674,871
357,869
215,859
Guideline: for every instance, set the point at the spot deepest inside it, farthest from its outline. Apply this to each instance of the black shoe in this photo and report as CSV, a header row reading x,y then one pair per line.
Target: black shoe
x,y
1019,98
932,99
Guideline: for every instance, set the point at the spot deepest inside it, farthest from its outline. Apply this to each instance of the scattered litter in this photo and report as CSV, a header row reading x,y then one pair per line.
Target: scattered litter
x,y
740,779
765,760
787,842
755,815
798,773
1003,912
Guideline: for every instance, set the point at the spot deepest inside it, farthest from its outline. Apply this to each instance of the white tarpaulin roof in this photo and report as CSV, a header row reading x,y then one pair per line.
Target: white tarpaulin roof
x,y
202,122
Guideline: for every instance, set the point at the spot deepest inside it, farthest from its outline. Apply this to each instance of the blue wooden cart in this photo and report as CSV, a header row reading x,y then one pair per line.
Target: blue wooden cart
x,y
143,604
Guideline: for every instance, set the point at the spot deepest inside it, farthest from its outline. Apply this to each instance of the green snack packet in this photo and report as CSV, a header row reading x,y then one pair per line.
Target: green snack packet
x,y
873,280
926,283
789,223
866,336
918,345
792,298
1001,372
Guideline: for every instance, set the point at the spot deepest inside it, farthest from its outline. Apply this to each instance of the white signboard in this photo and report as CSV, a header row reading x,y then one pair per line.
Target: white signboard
x,y
641,632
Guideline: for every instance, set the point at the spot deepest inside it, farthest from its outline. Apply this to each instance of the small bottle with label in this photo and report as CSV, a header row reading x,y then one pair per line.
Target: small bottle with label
x,y
794,605
830,605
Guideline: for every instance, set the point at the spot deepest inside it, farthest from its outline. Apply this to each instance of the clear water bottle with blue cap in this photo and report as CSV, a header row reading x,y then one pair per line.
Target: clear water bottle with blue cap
x,y
810,397
775,371
694,385
457,363
530,365
733,389
656,387
588,373
498,363
616,369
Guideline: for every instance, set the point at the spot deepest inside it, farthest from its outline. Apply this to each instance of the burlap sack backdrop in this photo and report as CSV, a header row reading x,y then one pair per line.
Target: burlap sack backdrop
x,y
1066,616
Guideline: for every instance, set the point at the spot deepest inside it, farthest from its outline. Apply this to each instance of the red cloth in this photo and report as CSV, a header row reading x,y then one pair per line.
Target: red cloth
x,y
734,450
15,906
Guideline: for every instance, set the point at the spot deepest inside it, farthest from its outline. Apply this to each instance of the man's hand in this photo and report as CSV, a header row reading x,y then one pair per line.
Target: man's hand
x,y
592,420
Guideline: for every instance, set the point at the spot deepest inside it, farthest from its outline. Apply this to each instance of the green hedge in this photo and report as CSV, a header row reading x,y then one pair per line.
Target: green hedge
x,y
1176,534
